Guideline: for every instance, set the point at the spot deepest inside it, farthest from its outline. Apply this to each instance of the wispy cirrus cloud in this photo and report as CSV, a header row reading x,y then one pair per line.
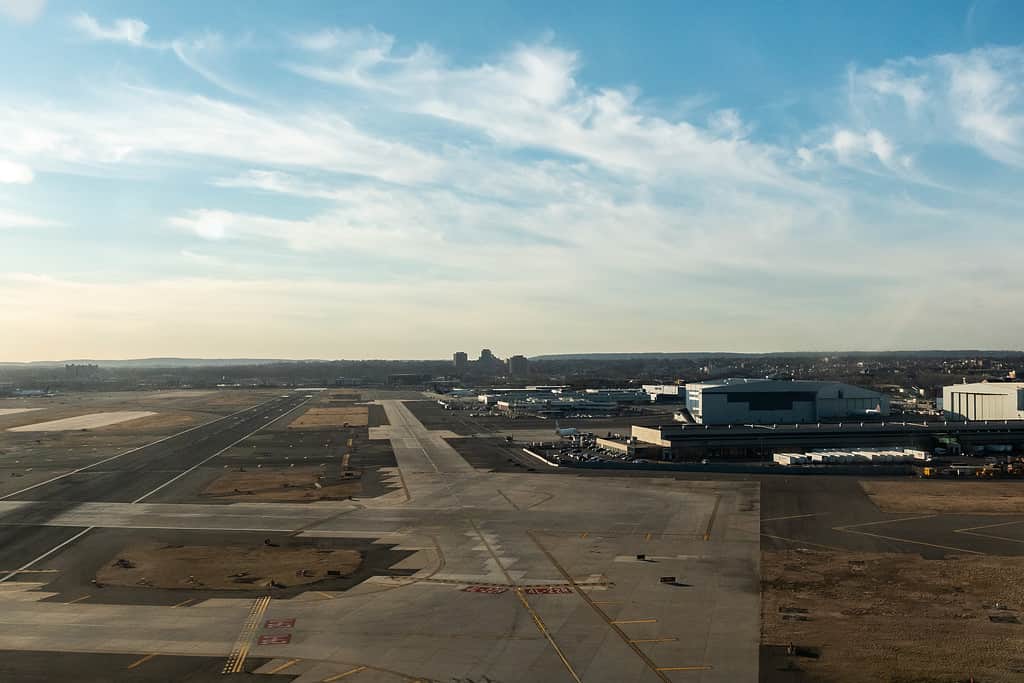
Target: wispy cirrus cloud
x,y
130,31
514,179
975,99
138,125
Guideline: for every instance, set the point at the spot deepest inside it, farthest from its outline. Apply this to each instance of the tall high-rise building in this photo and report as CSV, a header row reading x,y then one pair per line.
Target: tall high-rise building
x,y
461,361
488,363
518,366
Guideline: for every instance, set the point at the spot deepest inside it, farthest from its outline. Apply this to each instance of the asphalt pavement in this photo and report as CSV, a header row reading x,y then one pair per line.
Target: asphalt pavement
x,y
141,474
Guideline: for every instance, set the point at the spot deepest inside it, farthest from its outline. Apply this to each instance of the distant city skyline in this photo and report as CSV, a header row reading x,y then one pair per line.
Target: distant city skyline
x,y
380,180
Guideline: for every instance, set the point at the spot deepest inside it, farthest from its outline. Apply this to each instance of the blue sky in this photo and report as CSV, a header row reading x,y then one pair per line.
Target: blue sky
x,y
398,179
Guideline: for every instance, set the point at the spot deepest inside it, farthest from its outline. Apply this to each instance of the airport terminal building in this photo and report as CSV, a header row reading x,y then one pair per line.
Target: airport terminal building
x,y
768,401
984,401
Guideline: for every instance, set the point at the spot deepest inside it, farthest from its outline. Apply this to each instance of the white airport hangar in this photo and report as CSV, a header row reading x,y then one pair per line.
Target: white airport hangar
x,y
770,401
984,401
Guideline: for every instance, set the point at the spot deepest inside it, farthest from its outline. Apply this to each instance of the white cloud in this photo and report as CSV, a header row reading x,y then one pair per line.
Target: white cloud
x,y
530,98
517,189
849,145
15,219
196,52
349,40
131,31
13,172
138,125
974,98
22,11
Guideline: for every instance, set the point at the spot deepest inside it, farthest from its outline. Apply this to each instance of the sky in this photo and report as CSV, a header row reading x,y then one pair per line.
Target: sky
x,y
407,179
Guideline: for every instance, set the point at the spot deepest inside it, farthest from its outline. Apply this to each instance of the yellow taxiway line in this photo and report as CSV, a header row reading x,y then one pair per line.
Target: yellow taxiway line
x,y
141,660
338,677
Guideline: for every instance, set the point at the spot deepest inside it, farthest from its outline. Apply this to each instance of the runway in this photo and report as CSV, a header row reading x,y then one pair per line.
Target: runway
x,y
493,576
134,476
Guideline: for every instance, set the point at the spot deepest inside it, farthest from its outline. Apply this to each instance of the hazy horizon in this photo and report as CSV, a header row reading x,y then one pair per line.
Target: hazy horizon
x,y
212,360
402,181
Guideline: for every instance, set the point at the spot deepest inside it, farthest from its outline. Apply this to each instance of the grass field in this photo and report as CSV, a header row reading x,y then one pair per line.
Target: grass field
x,y
224,567
968,497
895,617
321,418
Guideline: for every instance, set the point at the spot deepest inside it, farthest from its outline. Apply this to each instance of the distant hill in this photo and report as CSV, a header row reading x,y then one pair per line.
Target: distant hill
x,y
156,362
704,355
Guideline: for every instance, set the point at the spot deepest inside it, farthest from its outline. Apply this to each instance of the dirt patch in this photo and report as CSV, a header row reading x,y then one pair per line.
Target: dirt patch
x,y
293,484
233,399
201,567
180,393
15,411
319,418
969,497
344,394
895,617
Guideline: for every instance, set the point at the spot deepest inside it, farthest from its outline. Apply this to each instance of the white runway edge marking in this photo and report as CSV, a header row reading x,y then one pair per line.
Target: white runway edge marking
x,y
83,532
129,451
206,460
49,552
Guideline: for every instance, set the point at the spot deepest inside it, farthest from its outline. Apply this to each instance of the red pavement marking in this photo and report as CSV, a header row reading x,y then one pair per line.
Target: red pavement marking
x,y
279,623
490,590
